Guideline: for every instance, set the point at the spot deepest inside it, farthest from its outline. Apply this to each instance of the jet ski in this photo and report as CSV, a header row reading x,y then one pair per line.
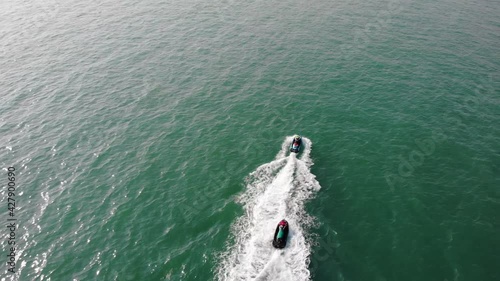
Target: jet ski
x,y
280,235
296,144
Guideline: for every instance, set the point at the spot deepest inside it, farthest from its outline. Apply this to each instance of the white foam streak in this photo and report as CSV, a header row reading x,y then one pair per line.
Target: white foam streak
x,y
275,190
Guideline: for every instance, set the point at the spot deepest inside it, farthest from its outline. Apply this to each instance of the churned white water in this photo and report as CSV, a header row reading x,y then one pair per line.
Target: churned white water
x,y
275,191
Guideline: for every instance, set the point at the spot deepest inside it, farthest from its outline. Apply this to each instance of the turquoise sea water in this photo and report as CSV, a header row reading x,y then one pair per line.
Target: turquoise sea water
x,y
149,139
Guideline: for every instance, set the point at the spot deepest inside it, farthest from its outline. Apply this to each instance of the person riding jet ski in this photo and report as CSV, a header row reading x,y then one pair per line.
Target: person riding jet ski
x,y
281,235
296,144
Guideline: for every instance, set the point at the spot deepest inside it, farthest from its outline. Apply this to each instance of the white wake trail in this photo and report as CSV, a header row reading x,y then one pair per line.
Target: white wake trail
x,y
274,191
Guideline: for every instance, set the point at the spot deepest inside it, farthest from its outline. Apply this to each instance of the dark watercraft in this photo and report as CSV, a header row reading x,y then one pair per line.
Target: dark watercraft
x,y
281,235
296,144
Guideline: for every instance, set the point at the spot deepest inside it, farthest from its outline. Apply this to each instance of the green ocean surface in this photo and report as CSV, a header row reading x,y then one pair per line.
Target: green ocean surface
x,y
149,139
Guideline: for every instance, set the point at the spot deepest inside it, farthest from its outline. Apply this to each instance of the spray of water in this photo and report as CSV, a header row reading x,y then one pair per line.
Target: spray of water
x,y
274,191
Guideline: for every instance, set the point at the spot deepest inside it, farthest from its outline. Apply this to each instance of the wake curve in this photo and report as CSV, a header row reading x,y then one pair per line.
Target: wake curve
x,y
274,191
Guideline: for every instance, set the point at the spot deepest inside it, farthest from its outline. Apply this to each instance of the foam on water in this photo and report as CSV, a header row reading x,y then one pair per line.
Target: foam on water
x,y
275,190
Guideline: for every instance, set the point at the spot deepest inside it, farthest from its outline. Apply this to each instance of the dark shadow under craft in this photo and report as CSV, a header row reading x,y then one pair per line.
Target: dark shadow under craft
x,y
296,144
281,235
